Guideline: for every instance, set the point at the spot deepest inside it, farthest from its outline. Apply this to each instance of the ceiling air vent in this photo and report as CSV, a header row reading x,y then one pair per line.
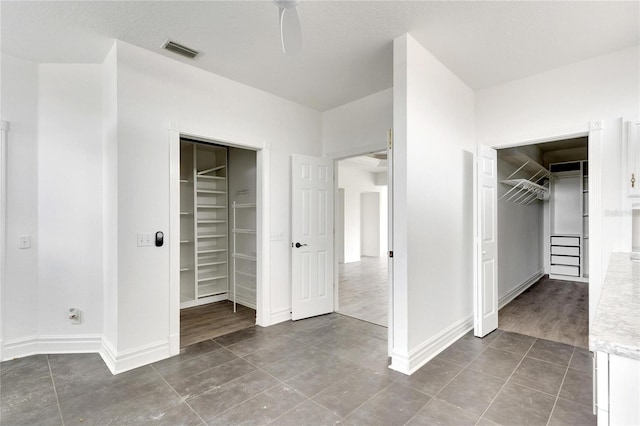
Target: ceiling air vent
x,y
180,49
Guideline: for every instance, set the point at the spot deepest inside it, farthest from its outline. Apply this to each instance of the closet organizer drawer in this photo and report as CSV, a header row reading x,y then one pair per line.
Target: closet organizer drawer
x,y
565,251
565,241
573,271
565,260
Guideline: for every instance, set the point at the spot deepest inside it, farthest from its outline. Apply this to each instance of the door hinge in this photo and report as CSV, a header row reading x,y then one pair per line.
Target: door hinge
x,y
390,253
390,138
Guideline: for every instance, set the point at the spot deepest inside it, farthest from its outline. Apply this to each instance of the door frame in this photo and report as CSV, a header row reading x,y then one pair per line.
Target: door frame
x,y
263,247
4,128
357,152
593,131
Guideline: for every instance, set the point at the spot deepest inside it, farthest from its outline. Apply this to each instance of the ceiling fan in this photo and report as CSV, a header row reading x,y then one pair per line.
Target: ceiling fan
x,y
290,27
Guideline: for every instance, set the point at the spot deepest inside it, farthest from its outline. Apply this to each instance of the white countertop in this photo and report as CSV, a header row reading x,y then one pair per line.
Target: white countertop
x,y
616,328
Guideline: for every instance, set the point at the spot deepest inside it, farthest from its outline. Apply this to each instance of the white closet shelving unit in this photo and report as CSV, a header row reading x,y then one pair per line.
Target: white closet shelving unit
x,y
244,256
530,181
569,211
203,225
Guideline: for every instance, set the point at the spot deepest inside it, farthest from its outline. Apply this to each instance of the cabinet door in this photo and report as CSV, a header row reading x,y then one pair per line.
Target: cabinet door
x,y
624,390
633,159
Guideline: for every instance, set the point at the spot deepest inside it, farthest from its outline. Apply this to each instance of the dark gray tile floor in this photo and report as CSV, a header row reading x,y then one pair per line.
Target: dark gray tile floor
x,y
321,371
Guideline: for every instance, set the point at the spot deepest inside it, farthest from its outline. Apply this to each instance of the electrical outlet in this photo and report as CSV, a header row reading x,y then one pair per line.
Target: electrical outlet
x,y
74,315
145,239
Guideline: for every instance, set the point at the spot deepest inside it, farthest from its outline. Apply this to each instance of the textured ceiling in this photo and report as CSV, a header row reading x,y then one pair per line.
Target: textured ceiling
x,y
348,44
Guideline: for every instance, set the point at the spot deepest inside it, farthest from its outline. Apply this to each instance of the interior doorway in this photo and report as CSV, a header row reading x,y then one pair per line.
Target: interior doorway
x,y
218,239
362,238
543,240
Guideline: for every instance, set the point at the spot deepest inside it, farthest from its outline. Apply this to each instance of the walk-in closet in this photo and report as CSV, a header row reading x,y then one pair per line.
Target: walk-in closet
x,y
543,240
217,240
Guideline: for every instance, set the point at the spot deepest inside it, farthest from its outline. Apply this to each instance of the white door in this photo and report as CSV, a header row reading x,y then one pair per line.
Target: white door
x,y
312,236
486,248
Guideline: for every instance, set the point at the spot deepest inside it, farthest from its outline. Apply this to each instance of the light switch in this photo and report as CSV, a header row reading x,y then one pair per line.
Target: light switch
x,y
24,241
145,239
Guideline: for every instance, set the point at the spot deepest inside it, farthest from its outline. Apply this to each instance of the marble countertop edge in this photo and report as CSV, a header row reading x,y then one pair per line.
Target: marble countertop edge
x,y
616,328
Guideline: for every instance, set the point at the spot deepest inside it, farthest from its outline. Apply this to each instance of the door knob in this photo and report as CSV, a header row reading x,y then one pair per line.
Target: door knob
x,y
298,245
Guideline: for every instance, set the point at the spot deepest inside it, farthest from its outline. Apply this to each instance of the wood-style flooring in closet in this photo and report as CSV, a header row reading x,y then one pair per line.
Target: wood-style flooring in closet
x,y
213,320
550,309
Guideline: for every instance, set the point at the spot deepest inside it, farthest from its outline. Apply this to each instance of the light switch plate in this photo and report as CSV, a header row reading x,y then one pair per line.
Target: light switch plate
x,y
24,241
145,239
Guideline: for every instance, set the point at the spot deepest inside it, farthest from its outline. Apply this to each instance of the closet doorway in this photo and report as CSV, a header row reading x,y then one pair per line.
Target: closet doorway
x,y
543,240
218,240
362,289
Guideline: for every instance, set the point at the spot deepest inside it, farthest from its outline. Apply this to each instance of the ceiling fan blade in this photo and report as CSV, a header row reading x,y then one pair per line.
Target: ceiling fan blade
x,y
290,30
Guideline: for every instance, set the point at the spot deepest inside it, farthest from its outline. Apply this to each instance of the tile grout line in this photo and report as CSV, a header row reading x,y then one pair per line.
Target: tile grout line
x,y
460,372
466,367
249,399
257,368
360,405
55,391
196,357
555,401
369,399
280,382
484,348
507,381
288,411
179,396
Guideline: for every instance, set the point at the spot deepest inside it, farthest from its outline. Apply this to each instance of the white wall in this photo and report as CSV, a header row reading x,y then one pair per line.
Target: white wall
x,y
520,237
110,198
356,182
433,200
358,127
370,224
20,108
54,195
70,198
339,243
560,101
563,102
154,91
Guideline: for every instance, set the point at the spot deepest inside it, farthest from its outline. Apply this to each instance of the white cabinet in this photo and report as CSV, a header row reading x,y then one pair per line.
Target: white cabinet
x,y
633,159
203,224
617,389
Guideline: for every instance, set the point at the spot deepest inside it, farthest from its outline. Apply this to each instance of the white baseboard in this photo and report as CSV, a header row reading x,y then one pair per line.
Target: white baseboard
x,y
280,315
52,344
568,278
263,317
244,301
119,362
408,363
86,343
204,301
519,289
174,344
